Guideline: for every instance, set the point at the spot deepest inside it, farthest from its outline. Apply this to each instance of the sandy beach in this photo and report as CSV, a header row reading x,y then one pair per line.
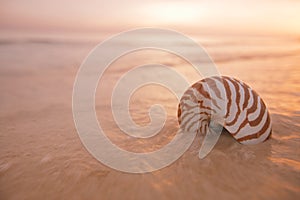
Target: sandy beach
x,y
42,157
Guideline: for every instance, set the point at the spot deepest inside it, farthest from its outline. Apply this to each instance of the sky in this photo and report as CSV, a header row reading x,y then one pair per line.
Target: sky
x,y
224,16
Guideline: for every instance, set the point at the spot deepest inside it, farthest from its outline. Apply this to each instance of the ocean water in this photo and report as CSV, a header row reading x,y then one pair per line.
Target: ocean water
x,y
41,155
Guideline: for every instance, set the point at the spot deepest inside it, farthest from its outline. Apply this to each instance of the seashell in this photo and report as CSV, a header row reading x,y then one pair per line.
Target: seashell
x,y
226,102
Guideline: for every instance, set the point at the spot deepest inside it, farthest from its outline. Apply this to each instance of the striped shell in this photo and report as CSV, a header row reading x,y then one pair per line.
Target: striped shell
x,y
228,102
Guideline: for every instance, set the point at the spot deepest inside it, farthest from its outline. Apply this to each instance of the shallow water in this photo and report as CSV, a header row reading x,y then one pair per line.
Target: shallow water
x,y
41,155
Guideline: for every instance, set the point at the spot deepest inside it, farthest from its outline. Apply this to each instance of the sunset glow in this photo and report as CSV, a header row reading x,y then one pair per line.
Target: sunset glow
x,y
246,17
175,13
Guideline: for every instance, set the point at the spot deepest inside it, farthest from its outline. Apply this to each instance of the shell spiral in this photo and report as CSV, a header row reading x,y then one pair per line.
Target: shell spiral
x,y
228,102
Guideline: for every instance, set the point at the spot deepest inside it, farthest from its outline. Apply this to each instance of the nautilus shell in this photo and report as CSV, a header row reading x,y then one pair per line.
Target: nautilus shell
x,y
227,102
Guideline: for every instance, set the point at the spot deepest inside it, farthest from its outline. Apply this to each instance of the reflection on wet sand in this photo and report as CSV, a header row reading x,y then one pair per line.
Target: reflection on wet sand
x,y
41,154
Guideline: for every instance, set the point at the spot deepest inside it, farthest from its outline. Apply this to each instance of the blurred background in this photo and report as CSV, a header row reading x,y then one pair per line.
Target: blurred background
x,y
44,42
265,17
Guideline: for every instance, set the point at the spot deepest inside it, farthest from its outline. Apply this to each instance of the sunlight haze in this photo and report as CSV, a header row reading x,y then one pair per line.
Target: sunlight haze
x,y
258,17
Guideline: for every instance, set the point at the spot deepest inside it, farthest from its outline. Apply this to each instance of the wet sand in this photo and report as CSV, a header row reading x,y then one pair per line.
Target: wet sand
x,y
41,155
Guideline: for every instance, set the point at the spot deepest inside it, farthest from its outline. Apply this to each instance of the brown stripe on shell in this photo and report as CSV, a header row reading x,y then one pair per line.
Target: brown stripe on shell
x,y
212,84
242,99
237,101
259,118
228,93
258,134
